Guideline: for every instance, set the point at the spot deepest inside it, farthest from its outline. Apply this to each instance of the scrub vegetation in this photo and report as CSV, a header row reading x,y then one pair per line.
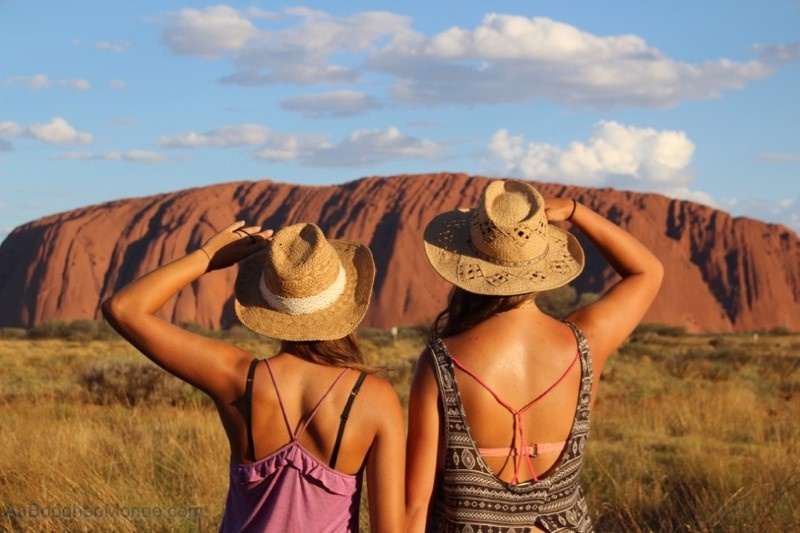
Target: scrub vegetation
x,y
689,432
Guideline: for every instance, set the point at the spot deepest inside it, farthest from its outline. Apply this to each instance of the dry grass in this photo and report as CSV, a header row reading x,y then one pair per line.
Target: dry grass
x,y
690,433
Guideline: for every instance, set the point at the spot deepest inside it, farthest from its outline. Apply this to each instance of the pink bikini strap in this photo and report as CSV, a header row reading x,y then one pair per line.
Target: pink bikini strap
x,y
518,447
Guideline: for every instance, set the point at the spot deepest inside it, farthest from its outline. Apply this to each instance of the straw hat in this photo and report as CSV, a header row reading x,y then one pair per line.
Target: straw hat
x,y
305,287
505,246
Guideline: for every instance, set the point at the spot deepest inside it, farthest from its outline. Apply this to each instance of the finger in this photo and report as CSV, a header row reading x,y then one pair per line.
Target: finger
x,y
233,227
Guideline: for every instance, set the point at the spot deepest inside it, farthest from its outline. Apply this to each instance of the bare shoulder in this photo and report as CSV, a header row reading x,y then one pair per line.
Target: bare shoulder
x,y
380,390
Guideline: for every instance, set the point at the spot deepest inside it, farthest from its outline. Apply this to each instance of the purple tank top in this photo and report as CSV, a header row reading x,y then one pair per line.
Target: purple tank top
x,y
290,490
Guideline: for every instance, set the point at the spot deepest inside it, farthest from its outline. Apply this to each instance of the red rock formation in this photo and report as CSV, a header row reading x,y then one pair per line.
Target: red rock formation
x,y
722,274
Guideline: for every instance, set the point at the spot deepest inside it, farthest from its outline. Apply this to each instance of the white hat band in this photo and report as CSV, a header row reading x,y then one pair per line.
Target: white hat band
x,y
307,304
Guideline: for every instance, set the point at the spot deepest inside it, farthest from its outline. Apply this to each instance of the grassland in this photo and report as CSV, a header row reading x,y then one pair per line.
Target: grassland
x,y
690,433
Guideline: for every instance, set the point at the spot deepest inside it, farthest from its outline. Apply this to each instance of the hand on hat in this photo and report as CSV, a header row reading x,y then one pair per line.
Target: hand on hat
x,y
558,209
234,243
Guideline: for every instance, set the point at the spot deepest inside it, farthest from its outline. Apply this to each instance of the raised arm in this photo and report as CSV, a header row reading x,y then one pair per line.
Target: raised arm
x,y
423,444
608,321
210,365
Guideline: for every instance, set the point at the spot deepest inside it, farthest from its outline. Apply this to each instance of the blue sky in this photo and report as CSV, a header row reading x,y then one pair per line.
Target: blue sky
x,y
104,100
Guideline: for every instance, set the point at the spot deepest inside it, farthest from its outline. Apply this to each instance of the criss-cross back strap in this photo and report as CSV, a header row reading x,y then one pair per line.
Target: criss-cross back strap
x,y
518,448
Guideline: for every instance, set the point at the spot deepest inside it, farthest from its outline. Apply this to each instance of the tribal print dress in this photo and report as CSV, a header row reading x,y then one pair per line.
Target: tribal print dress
x,y
471,498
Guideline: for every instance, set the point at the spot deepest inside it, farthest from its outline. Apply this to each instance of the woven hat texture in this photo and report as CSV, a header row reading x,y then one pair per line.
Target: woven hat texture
x,y
304,287
505,246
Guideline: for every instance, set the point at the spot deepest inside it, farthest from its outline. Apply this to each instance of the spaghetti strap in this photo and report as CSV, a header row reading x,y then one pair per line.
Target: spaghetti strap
x,y
316,407
280,401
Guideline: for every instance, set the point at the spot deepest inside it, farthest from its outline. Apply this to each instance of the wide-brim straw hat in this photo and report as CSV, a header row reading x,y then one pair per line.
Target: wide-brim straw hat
x,y
505,246
304,287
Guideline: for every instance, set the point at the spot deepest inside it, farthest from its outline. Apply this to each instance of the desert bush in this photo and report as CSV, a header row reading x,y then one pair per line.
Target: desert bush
x,y
120,381
13,333
49,329
646,331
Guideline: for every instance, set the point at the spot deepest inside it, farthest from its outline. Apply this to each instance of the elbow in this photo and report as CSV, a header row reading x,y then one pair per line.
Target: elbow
x,y
113,309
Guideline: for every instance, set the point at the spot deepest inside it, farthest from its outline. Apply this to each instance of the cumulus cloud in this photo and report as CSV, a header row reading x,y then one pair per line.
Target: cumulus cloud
x,y
512,58
226,136
78,84
613,153
34,83
333,104
133,156
506,58
360,148
209,32
57,131
117,84
371,147
779,53
300,53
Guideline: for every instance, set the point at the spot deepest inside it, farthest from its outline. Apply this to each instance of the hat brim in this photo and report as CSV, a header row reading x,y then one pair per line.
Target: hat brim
x,y
333,322
447,245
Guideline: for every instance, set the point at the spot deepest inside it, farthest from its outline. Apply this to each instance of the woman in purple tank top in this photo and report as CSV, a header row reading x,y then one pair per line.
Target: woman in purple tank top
x,y
308,423
500,400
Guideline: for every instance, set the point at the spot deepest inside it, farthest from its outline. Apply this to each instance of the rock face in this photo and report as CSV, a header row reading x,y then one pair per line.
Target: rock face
x,y
722,273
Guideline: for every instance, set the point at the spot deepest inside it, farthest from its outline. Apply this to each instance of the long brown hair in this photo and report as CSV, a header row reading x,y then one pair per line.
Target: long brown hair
x,y
344,352
466,310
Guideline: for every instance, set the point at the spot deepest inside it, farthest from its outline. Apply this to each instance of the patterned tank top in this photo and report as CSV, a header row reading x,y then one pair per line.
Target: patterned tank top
x,y
470,497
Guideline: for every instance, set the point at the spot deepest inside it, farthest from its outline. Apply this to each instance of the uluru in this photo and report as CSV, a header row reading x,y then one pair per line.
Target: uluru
x,y
722,273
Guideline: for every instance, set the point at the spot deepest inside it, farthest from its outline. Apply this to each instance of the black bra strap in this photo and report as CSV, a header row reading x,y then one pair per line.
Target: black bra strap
x,y
345,414
248,407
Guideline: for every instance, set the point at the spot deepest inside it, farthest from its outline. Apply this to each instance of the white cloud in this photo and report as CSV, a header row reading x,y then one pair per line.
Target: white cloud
x,y
226,136
512,58
372,147
300,53
780,53
34,83
77,84
57,131
134,156
360,148
11,129
208,33
613,153
333,104
117,84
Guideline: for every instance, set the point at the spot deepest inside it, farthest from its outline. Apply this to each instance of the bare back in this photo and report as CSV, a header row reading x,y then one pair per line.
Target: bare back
x,y
301,385
520,355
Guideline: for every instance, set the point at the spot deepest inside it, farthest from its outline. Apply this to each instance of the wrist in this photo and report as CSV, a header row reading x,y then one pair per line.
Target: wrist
x,y
574,208
204,253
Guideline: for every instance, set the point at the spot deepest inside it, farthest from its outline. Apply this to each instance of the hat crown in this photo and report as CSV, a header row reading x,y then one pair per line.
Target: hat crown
x,y
510,225
301,262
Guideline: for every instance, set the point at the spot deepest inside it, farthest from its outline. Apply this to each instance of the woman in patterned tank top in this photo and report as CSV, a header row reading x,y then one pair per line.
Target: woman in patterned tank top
x,y
500,399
